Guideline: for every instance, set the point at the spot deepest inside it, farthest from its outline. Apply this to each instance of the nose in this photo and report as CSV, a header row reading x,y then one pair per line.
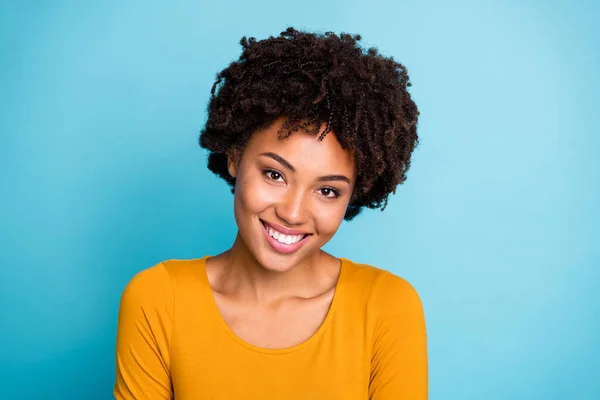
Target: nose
x,y
293,208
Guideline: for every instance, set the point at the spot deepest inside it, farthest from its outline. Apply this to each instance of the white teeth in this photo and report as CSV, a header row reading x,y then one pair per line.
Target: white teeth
x,y
281,238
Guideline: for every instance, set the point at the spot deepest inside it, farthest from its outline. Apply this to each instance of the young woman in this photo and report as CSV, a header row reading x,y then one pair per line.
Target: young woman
x,y
308,129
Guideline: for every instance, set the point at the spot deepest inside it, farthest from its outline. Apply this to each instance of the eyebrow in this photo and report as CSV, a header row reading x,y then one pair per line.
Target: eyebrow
x,y
286,164
280,160
329,178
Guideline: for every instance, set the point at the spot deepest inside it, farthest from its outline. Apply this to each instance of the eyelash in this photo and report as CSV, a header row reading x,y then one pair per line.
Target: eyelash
x,y
336,193
269,172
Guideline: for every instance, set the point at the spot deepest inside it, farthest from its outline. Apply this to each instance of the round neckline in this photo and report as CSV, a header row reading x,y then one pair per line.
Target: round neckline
x,y
315,336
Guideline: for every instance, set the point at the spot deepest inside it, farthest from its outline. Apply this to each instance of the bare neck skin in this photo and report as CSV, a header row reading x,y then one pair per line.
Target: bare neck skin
x,y
236,273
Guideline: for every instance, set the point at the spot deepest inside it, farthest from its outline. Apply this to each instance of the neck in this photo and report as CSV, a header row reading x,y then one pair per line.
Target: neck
x,y
241,275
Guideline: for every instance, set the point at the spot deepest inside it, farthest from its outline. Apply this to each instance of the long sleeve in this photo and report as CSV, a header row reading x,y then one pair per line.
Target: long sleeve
x,y
143,337
399,359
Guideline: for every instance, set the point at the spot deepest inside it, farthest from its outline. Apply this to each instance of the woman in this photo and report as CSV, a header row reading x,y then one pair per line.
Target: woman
x,y
308,129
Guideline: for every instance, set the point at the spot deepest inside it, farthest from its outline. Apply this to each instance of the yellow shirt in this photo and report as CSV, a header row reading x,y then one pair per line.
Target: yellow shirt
x,y
173,343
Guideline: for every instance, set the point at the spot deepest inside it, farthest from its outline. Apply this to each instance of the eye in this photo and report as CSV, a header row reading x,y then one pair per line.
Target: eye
x,y
330,193
273,175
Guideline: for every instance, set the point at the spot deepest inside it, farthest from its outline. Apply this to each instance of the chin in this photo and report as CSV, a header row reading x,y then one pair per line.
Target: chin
x,y
275,262
270,263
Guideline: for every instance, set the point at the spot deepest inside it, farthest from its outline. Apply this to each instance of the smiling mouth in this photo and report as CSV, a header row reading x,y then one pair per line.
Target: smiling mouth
x,y
282,238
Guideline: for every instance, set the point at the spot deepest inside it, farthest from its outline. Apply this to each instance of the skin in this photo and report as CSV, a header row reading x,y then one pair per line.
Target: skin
x,y
267,298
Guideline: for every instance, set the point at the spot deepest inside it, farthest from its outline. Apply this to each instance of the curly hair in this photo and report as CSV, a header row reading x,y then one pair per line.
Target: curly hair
x,y
315,79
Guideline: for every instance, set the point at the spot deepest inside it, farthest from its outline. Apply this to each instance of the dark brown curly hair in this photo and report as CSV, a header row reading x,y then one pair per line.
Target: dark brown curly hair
x,y
313,79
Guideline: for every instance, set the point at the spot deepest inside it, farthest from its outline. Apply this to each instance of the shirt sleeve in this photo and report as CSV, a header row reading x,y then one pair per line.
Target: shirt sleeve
x,y
144,336
399,358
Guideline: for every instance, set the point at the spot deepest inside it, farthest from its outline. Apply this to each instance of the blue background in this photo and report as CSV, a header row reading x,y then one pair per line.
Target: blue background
x,y
497,227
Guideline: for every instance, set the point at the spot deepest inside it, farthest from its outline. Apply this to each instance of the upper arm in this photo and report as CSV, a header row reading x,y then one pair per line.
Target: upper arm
x,y
143,337
399,358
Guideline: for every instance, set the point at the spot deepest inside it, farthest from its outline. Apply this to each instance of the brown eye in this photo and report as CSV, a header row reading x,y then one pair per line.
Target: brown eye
x,y
329,193
274,175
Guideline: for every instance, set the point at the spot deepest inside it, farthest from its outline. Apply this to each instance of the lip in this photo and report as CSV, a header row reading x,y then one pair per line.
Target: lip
x,y
284,230
282,247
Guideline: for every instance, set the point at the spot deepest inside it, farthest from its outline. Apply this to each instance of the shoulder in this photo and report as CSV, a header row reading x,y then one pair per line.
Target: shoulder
x,y
149,288
388,293
154,287
392,289
360,275
396,307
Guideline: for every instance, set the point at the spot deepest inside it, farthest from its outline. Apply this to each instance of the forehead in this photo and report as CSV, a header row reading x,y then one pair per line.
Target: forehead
x,y
304,151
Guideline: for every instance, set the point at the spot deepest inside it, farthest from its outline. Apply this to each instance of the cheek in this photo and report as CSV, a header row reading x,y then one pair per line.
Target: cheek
x,y
253,195
329,217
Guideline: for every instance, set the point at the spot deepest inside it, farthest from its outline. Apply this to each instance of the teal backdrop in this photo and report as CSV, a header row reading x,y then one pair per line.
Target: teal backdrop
x,y
497,227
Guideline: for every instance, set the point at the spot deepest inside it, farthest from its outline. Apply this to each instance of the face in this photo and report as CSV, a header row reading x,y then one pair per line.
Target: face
x,y
290,195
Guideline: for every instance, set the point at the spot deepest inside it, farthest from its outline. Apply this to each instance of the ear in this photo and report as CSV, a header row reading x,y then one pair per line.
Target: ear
x,y
232,163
